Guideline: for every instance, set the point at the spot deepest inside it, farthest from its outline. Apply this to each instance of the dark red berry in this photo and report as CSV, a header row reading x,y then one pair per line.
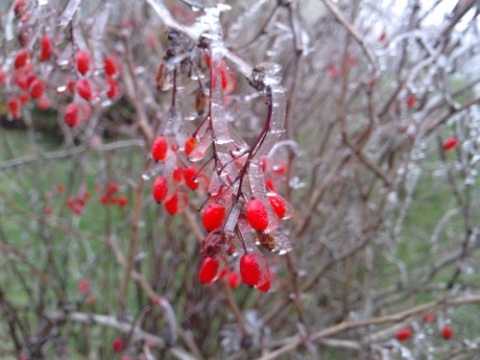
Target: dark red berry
x,y
118,345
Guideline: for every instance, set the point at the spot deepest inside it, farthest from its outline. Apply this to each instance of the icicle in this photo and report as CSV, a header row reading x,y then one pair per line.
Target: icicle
x,y
97,33
221,134
173,123
249,239
78,34
277,120
203,143
68,12
232,220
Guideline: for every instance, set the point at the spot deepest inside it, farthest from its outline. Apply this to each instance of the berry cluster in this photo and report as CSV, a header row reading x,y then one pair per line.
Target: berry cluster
x,y
110,196
243,208
406,333
24,82
27,76
88,88
78,202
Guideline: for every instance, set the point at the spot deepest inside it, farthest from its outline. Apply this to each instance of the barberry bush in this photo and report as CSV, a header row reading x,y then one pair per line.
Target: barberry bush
x,y
257,179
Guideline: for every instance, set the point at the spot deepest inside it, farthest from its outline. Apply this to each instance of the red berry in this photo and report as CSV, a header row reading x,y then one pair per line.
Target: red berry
x,y
43,103
45,48
190,145
71,86
24,97
14,107
257,215
213,216
84,88
428,317
383,37
171,204
37,88
19,6
177,175
411,101
113,188
82,58
113,88
3,76
234,280
21,58
189,174
209,270
21,80
450,143
254,269
280,169
404,334
265,286
160,189
118,345
159,148
270,185
122,201
110,66
71,114
84,287
278,205
229,82
447,332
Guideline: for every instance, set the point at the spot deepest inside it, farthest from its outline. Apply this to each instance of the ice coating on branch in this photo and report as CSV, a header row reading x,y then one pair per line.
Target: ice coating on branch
x,y
68,12
78,34
232,219
203,143
221,134
210,21
64,58
170,164
277,119
248,235
282,242
153,171
215,185
173,123
98,31
237,29
258,189
230,169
